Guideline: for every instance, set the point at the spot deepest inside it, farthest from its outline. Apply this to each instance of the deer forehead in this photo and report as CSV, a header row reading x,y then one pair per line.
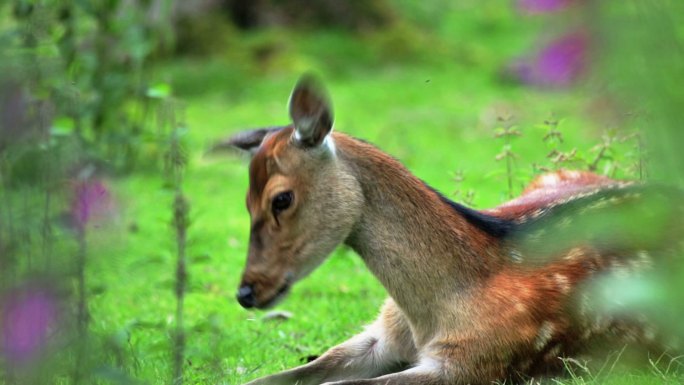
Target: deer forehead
x,y
262,166
275,166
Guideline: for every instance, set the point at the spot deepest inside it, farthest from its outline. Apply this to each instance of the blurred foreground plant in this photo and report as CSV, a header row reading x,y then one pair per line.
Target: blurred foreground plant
x,y
69,84
87,61
635,69
171,124
91,202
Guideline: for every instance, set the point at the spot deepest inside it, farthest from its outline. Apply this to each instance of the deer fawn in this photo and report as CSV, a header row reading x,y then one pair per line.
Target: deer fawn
x,y
463,307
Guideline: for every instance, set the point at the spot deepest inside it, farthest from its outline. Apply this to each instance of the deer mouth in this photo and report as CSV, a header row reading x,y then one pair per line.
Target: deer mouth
x,y
282,292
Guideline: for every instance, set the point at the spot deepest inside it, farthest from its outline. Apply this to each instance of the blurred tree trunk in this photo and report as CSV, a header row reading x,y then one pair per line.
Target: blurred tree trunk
x,y
354,15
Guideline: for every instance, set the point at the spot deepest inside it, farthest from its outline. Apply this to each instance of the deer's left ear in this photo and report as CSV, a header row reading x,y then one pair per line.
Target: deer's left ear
x,y
246,140
310,111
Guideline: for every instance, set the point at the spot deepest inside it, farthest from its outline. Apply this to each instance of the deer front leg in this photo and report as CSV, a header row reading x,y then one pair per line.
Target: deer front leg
x,y
384,346
453,360
355,358
444,370
423,374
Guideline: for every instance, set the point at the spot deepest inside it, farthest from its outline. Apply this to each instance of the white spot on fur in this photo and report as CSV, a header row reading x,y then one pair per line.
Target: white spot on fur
x,y
520,307
574,253
544,335
550,179
649,333
643,261
329,143
516,256
304,127
563,282
297,136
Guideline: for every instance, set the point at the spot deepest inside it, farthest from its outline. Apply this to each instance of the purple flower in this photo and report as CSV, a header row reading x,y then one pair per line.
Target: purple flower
x,y
28,318
543,6
92,201
561,63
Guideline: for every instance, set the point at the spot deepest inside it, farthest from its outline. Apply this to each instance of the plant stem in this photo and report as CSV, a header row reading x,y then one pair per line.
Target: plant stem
x,y
82,305
175,163
509,172
180,221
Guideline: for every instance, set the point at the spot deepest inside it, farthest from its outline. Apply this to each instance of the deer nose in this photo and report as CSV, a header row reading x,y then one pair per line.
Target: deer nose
x,y
245,296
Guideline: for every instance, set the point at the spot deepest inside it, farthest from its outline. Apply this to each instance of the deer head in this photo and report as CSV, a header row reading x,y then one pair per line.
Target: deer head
x,y
303,200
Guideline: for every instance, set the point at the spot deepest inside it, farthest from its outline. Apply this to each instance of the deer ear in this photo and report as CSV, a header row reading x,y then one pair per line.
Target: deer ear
x,y
249,141
310,111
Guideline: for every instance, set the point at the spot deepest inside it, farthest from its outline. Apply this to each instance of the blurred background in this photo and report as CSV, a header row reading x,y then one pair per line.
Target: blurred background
x,y
122,240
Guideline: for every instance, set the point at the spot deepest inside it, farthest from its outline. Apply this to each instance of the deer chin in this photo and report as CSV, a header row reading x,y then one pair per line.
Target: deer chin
x,y
279,295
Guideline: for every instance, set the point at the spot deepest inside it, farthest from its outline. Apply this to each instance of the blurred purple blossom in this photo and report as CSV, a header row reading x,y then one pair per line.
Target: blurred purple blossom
x,y
560,63
543,6
91,201
28,319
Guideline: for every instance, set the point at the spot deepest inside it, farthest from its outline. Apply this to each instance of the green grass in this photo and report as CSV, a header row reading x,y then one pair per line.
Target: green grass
x,y
432,104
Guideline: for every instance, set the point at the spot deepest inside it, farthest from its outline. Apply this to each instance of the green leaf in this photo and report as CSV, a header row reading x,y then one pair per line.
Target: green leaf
x,y
62,126
159,91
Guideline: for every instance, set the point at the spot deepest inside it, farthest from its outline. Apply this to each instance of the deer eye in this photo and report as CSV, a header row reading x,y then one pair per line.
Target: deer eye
x,y
281,202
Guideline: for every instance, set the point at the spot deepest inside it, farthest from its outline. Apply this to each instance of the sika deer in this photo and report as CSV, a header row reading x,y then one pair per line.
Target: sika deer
x,y
463,308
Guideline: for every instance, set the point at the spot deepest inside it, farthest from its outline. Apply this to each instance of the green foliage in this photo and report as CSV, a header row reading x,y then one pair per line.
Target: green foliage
x,y
87,62
507,132
644,66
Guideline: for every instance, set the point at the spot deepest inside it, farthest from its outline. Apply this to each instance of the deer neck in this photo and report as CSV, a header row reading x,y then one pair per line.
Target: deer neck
x,y
422,251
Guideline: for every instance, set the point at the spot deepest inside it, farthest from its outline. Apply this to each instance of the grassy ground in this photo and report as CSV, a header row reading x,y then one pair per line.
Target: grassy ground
x,y
434,107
